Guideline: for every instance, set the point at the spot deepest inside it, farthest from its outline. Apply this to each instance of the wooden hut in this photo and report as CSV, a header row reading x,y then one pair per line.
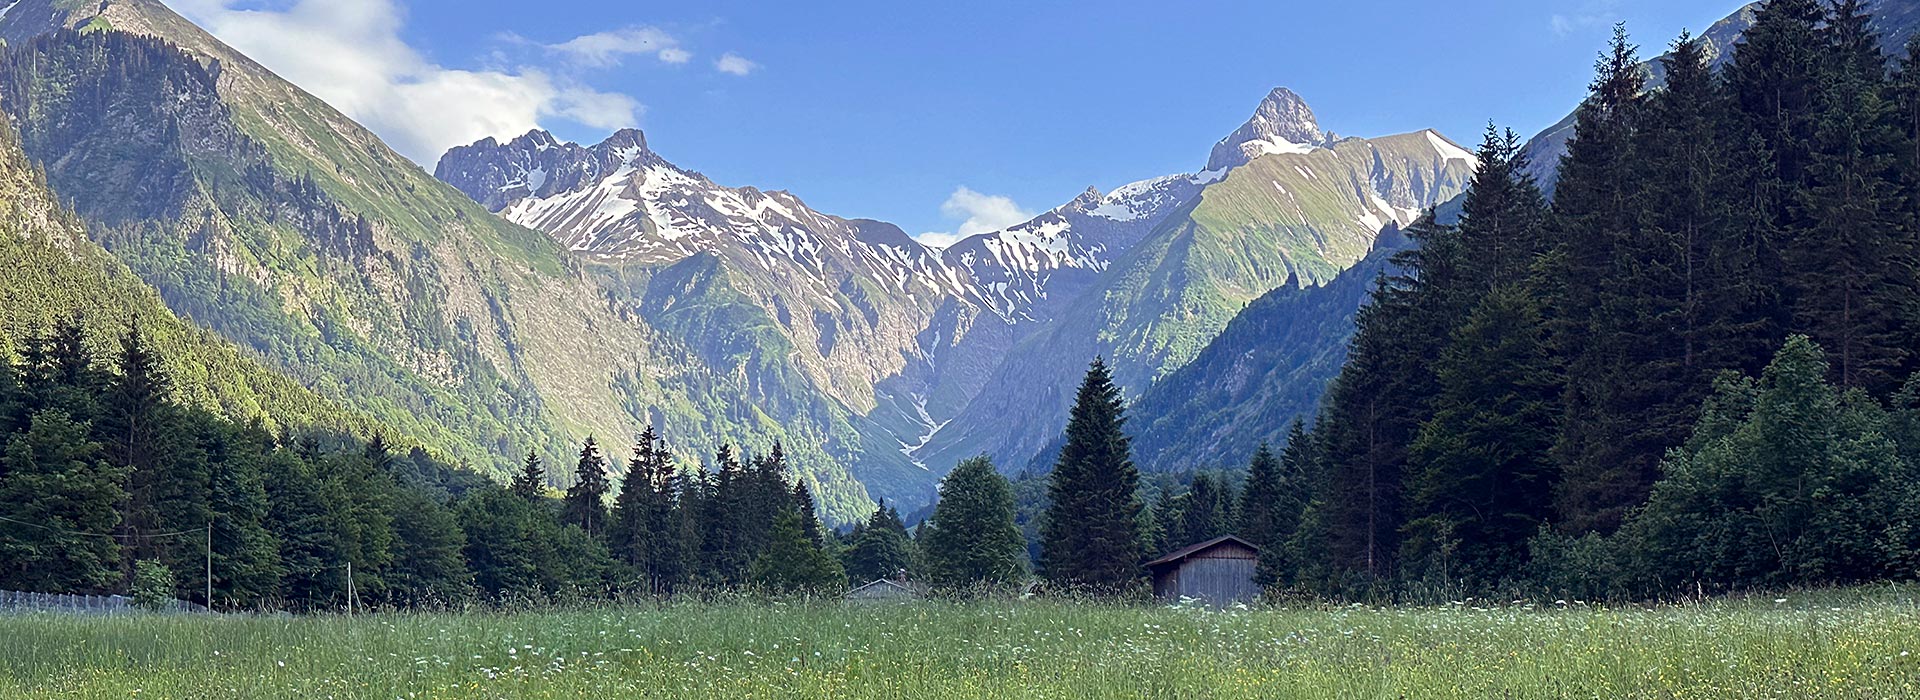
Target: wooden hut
x,y
882,590
1218,572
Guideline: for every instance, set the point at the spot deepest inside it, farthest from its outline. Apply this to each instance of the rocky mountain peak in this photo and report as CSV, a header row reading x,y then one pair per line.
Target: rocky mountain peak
x,y
624,139
1283,123
1087,200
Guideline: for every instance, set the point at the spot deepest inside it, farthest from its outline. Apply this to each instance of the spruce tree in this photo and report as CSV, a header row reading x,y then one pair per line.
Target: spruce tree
x,y
12,398
585,504
1774,78
68,378
1093,535
1163,522
880,549
1597,212
1273,502
629,538
792,563
971,538
59,497
429,566
810,517
1849,265
1206,512
1482,471
246,553
531,482
667,547
143,432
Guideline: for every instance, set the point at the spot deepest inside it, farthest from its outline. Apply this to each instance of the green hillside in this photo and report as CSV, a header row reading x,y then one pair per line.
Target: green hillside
x,y
53,271
267,216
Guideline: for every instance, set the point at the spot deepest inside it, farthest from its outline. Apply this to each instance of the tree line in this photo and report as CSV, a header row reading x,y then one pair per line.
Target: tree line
x,y
108,484
1690,370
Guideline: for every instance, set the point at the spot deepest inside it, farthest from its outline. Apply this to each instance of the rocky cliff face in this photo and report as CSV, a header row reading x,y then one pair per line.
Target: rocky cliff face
x,y
1283,123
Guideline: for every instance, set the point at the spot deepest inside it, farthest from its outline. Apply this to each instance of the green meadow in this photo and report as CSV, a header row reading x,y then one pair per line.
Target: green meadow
x,y
1860,643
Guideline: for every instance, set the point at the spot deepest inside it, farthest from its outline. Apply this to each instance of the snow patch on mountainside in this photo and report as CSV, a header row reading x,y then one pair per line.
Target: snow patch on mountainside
x,y
1450,151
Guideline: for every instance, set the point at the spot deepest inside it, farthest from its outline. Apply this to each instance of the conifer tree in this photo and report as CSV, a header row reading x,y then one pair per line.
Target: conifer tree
x,y
810,517
1849,265
1206,512
246,553
647,531
585,504
1093,536
12,401
429,564
1273,502
1904,93
1481,472
971,538
725,553
1597,211
144,433
792,563
68,379
628,537
59,497
1774,78
531,482
881,548
1163,522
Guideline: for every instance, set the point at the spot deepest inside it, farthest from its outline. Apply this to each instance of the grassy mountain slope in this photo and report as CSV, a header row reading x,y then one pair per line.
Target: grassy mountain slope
x,y
263,213
1299,217
1269,366
53,270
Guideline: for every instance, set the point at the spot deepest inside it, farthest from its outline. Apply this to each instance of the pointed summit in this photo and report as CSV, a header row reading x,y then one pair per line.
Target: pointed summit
x,y
1086,201
624,139
1282,124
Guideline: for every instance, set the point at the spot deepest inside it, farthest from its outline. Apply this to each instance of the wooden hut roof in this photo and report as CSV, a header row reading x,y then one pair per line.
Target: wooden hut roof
x,y
885,583
1190,550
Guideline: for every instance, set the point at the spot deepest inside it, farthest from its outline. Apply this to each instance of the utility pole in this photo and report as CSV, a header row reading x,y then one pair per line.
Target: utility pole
x,y
209,565
349,588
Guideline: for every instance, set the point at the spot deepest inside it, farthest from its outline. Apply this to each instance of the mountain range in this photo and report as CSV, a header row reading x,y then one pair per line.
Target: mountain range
x,y
532,292
975,348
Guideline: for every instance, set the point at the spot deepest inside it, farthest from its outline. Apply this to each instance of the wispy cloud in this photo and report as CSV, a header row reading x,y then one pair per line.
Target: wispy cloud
x,y
735,64
977,213
349,53
1581,15
608,49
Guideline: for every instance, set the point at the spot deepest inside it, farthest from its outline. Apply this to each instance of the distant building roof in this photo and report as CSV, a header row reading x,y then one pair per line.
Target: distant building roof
x,y
1193,549
885,587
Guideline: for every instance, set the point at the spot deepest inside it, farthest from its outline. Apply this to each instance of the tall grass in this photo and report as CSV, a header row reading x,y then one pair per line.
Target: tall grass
x,y
1851,644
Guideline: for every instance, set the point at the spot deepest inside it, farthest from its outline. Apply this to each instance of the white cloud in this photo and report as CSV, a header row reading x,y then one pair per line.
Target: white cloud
x,y
1584,14
349,53
735,64
977,213
608,49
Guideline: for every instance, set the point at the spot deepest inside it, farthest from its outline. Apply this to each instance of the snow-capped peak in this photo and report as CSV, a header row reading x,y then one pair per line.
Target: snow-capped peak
x,y
1283,123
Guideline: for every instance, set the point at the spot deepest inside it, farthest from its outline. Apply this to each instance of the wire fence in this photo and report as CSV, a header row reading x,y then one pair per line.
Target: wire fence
x,y
17,602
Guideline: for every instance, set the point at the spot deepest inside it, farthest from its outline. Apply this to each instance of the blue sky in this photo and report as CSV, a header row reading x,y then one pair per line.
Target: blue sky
x,y
937,116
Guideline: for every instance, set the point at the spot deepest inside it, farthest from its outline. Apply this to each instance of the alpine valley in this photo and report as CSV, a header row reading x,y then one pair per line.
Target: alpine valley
x,y
531,293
